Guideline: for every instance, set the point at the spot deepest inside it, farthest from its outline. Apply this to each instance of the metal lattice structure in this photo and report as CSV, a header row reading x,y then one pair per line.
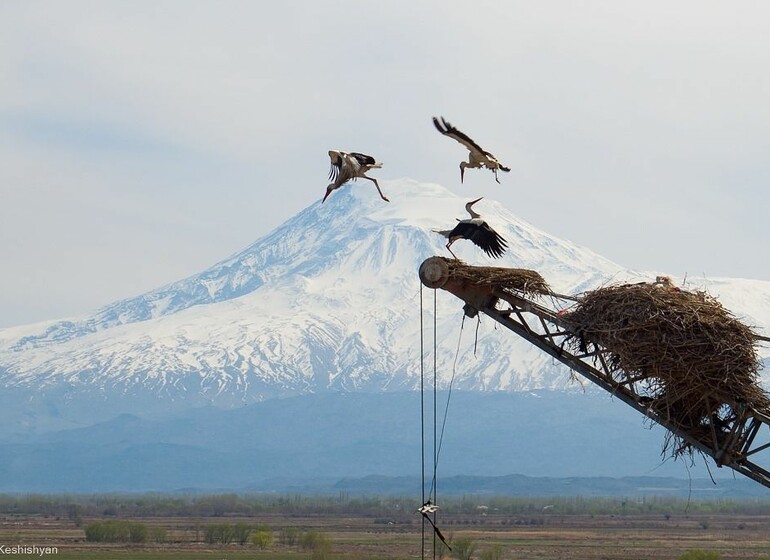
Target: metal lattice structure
x,y
737,442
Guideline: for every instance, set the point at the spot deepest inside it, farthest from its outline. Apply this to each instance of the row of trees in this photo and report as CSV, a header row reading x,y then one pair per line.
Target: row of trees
x,y
262,536
399,508
225,533
315,542
123,532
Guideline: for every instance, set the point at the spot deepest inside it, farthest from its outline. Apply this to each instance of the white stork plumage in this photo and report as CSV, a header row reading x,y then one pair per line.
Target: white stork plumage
x,y
478,231
349,166
478,157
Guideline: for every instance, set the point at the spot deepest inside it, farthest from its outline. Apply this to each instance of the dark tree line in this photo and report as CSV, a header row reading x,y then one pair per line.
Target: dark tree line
x,y
396,509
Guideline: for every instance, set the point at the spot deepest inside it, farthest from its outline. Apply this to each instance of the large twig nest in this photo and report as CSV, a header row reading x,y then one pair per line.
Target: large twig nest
x,y
696,362
516,281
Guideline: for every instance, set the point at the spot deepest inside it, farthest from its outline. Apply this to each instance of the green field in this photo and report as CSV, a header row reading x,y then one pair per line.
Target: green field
x,y
387,528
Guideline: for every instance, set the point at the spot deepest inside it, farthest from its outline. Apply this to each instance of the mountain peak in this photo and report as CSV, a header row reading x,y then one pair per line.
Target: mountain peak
x,y
322,236
328,300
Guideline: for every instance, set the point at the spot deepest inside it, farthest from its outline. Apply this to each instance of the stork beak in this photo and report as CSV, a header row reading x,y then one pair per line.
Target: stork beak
x,y
326,196
472,202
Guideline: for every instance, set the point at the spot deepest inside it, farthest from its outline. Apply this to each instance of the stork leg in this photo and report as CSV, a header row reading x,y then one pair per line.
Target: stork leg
x,y
376,184
496,179
450,250
463,165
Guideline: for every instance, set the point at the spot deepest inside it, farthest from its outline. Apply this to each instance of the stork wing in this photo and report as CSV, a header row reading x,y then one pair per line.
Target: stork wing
x,y
336,163
447,129
483,236
491,242
363,159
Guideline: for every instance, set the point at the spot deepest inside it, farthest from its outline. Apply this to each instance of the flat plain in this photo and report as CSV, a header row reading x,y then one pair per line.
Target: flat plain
x,y
534,535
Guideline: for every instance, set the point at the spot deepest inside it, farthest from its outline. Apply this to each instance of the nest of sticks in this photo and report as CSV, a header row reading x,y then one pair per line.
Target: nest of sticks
x,y
516,281
694,362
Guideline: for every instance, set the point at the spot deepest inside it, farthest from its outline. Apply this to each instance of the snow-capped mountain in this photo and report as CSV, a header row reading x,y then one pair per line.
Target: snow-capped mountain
x,y
330,300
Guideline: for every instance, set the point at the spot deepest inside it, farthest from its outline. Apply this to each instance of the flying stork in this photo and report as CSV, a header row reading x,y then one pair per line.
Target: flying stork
x,y
478,157
349,166
478,231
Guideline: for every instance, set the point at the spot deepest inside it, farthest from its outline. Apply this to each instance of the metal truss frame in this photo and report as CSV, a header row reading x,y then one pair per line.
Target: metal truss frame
x,y
735,443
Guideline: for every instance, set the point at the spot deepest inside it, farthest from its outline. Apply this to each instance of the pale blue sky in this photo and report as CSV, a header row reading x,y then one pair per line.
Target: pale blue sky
x,y
141,142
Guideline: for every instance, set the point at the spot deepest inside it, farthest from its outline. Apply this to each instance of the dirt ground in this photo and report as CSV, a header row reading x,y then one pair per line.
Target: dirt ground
x,y
541,536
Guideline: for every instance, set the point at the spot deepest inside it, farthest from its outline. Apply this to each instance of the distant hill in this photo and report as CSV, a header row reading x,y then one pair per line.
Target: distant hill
x,y
364,442
299,357
541,486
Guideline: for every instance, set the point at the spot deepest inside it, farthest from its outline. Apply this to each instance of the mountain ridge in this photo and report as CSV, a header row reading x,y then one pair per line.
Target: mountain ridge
x,y
292,442
301,354
329,300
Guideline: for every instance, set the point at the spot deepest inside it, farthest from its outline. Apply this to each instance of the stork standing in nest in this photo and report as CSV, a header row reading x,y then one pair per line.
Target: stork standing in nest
x,y
349,166
478,231
478,157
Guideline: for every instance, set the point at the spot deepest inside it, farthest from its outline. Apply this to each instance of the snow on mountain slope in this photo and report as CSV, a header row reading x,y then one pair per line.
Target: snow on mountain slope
x,y
328,300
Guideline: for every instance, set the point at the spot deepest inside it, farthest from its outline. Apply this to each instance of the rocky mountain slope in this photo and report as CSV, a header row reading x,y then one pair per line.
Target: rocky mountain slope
x,y
329,301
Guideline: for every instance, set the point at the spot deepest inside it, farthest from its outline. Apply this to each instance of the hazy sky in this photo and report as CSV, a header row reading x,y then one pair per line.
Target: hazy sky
x,y
141,142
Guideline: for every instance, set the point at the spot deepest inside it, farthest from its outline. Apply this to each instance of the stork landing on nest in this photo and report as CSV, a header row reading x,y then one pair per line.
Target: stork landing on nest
x,y
349,166
478,231
478,157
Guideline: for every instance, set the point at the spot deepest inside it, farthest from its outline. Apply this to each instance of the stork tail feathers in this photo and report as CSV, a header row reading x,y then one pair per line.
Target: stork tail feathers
x,y
444,232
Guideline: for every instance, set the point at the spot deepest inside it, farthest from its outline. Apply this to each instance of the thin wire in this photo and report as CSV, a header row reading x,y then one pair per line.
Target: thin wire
x,y
689,488
449,397
422,415
451,384
435,411
436,441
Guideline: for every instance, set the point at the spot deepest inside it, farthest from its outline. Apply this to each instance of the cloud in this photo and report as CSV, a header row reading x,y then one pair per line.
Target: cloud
x,y
181,131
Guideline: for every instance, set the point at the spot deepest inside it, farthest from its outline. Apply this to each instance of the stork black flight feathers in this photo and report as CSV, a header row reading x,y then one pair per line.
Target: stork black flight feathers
x,y
478,157
478,231
349,166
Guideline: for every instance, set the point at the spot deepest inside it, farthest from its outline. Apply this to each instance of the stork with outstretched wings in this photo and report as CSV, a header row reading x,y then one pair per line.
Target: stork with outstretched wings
x,y
478,157
478,231
349,166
